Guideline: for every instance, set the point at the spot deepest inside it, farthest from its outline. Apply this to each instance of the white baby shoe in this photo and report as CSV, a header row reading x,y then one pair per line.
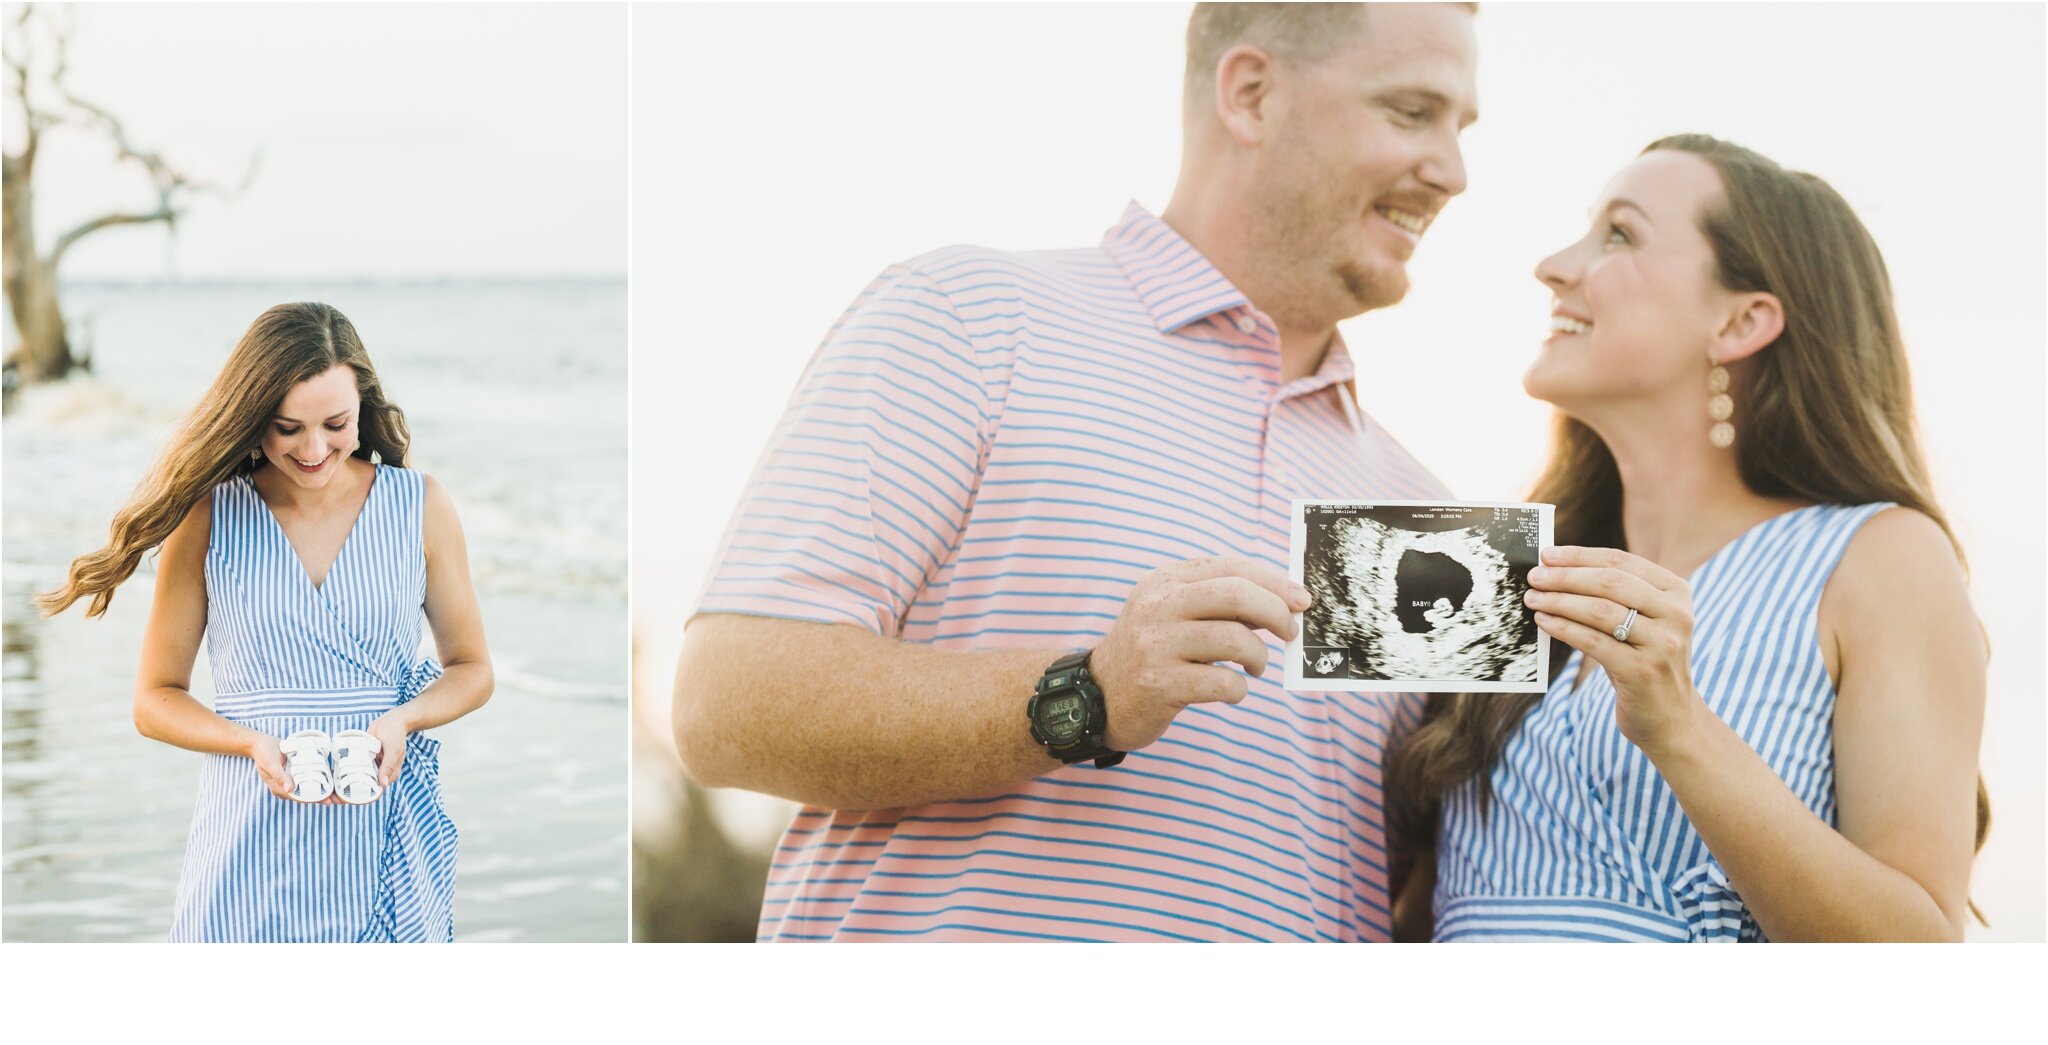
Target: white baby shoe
x,y
305,761
355,766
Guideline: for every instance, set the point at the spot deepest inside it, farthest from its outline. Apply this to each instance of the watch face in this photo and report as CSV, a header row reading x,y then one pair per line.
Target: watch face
x,y
1062,719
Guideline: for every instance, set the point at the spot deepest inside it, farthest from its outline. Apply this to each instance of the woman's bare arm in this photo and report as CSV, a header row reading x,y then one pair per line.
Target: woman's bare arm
x,y
456,620
1910,663
165,709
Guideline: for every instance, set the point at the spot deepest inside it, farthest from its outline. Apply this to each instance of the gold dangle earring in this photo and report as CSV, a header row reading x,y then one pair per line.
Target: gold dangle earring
x,y
255,453
1719,406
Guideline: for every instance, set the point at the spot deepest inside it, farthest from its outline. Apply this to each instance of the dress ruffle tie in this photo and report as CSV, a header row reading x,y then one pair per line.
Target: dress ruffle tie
x,y
1713,911
415,900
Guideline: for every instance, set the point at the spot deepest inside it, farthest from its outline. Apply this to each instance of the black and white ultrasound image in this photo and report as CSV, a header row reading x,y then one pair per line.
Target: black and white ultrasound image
x,y
1421,594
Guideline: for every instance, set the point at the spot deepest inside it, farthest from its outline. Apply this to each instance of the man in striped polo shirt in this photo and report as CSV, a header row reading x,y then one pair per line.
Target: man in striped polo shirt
x,y
998,459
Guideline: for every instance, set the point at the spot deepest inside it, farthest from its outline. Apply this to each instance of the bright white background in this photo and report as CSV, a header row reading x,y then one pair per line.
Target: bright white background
x,y
783,156
479,142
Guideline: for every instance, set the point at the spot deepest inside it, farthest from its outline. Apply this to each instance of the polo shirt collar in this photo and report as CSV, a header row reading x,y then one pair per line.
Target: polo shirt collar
x,y
1337,368
1177,285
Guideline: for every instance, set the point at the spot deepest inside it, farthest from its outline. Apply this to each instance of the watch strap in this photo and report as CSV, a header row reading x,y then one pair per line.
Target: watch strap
x,y
1076,663
1062,673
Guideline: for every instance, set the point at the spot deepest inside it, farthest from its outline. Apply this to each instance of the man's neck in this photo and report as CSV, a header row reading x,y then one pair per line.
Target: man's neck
x,y
1214,223
1302,352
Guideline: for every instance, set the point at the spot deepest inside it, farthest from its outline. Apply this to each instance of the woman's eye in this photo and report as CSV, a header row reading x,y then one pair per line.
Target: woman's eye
x,y
1617,234
342,427
281,430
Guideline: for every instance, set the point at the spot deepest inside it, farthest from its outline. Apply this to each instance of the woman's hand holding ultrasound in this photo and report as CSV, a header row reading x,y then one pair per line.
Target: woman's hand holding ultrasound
x,y
1584,597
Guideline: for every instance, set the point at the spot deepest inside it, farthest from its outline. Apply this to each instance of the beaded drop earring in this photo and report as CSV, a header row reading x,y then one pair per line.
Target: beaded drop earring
x,y
1719,406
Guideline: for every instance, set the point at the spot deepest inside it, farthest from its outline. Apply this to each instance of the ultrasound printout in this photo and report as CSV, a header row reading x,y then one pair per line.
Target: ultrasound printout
x,y
1415,596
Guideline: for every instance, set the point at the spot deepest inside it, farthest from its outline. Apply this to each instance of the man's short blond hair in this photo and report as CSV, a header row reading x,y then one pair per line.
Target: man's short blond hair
x,y
1296,33
1300,34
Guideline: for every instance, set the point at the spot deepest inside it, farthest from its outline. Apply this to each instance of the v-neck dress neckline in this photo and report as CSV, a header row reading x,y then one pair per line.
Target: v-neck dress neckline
x,y
355,524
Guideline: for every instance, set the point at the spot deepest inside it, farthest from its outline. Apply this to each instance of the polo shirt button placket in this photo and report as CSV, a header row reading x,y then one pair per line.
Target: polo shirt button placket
x,y
1276,476
1247,323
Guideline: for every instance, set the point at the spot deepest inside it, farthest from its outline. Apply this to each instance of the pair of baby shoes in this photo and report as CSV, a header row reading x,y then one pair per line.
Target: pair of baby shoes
x,y
343,764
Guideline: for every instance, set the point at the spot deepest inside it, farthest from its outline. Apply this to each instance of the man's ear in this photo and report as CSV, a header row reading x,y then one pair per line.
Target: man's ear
x,y
1753,323
1244,89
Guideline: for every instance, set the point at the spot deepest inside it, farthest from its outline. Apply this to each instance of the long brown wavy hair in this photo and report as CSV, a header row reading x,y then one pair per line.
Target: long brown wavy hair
x,y
1827,417
286,345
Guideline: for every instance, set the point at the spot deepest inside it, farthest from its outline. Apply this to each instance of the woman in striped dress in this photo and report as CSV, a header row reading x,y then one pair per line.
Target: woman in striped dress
x,y
1764,716
297,542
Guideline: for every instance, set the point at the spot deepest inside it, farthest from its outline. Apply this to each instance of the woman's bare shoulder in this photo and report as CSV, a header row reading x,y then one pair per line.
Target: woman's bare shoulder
x,y
1899,585
1897,551
193,531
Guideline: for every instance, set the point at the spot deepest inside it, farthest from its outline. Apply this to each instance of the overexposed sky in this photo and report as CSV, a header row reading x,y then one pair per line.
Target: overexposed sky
x,y
395,140
783,156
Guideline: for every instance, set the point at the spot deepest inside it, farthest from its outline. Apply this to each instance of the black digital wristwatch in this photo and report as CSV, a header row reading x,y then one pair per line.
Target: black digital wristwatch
x,y
1067,713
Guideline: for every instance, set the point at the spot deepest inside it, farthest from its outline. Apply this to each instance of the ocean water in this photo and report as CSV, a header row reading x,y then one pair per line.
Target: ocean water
x,y
516,396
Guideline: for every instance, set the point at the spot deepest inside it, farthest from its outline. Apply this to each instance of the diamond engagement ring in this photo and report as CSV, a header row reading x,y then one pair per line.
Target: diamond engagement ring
x,y
1621,633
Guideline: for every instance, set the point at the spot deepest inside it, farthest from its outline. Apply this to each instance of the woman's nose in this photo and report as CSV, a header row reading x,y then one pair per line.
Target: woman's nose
x,y
1558,271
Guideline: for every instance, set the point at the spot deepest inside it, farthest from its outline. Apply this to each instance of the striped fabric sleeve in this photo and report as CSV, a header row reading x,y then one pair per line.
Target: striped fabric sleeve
x,y
864,487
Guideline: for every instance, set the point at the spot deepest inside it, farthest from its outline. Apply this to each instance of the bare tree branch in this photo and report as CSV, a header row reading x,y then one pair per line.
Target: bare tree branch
x,y
35,70
34,120
164,213
174,190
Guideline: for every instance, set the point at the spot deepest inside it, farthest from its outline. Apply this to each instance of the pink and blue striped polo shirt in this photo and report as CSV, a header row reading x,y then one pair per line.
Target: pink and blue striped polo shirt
x,y
988,450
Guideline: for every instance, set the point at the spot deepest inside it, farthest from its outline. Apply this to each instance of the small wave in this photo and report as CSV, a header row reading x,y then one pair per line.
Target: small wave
x,y
511,676
87,404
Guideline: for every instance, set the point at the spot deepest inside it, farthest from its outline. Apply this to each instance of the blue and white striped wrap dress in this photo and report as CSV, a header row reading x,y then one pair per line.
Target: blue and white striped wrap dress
x,y
1584,840
288,656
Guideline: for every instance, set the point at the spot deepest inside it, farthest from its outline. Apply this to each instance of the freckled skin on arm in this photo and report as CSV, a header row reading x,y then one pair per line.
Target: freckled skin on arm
x,y
836,716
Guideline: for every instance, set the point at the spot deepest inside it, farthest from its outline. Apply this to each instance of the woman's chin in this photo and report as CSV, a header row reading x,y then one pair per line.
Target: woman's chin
x,y
1538,383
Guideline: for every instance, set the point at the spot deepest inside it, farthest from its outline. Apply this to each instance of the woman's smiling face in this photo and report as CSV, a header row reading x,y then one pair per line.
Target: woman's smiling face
x,y
1636,300
314,429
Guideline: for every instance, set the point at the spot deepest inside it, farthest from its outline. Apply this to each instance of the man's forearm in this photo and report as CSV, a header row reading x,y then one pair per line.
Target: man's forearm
x,y
834,716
